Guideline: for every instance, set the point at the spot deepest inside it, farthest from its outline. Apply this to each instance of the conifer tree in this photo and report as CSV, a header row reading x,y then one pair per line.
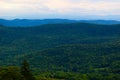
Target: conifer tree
x,y
25,71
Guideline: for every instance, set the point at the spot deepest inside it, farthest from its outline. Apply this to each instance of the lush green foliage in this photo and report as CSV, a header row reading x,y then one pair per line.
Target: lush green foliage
x,y
76,51
14,73
10,73
19,41
25,71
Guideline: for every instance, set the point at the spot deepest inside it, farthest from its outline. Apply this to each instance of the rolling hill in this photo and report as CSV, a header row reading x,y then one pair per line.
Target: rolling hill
x,y
51,35
72,47
30,22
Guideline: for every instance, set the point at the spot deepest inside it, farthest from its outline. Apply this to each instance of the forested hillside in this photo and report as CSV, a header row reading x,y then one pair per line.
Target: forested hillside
x,y
74,51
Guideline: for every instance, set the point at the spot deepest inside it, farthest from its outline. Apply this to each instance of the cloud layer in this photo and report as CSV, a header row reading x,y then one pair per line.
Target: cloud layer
x,y
58,8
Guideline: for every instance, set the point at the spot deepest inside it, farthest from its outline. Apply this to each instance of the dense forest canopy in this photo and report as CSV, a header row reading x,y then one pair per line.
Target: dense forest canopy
x,y
72,51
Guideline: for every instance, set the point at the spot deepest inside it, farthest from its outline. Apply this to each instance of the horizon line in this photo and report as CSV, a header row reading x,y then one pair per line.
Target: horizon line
x,y
59,19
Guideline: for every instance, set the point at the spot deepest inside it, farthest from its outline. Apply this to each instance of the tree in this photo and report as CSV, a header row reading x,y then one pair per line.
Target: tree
x,y
10,73
25,71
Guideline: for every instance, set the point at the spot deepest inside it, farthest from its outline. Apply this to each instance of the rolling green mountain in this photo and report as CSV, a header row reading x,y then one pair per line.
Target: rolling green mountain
x,y
73,47
30,22
36,22
83,58
21,40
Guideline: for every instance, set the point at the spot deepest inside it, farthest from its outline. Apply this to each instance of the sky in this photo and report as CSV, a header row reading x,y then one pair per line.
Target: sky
x,y
65,9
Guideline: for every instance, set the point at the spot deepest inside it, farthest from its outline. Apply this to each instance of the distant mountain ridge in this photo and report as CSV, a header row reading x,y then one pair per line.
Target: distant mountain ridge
x,y
37,22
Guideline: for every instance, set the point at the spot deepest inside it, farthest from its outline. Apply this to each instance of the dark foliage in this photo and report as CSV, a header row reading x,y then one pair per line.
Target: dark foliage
x,y
25,71
76,51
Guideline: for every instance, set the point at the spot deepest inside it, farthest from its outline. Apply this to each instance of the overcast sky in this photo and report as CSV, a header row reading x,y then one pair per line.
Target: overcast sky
x,y
69,9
